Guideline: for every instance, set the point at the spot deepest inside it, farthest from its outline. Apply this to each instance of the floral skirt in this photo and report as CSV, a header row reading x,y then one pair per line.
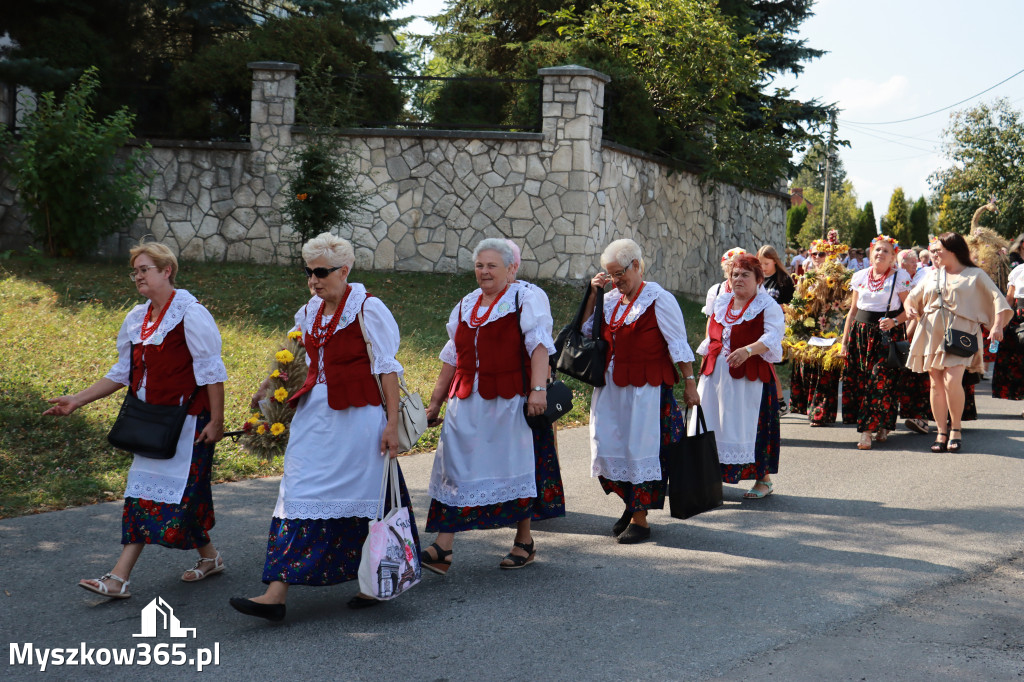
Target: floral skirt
x,y
184,525
321,552
868,385
914,389
814,391
766,445
549,503
1008,377
651,494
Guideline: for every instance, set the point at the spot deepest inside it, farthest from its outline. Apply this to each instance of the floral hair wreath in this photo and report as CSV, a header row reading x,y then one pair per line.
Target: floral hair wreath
x,y
883,238
732,252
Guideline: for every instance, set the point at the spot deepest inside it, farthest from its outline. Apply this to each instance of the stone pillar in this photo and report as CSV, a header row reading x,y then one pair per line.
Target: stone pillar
x,y
573,113
272,115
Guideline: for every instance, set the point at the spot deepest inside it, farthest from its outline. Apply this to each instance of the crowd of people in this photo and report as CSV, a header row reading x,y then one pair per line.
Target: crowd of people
x,y
496,463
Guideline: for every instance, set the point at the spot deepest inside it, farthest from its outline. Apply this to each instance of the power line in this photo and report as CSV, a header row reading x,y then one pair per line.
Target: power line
x,y
891,141
862,129
937,111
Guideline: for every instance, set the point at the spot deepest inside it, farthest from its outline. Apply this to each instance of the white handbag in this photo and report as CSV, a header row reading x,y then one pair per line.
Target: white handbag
x,y
412,416
390,562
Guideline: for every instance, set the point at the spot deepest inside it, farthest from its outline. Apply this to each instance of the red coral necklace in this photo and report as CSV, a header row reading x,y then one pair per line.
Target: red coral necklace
x,y
733,318
321,332
476,320
876,284
616,325
147,328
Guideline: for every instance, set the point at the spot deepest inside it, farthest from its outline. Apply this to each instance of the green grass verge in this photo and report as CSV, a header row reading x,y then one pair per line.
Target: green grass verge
x,y
58,322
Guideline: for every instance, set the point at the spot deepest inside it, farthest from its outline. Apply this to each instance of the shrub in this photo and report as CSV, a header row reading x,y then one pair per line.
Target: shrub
x,y
74,182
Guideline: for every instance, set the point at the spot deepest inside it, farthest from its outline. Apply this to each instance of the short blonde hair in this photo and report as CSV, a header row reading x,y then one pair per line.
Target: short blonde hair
x,y
337,251
160,254
622,252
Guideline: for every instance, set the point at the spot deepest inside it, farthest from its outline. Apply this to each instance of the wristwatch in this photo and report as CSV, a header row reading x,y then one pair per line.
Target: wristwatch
x,y
539,388
689,378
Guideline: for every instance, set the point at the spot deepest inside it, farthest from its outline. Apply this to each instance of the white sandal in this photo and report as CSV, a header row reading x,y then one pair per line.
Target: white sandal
x,y
218,566
102,586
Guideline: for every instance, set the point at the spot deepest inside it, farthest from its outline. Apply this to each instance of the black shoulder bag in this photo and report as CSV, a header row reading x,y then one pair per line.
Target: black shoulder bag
x,y
955,341
579,356
148,430
899,351
558,394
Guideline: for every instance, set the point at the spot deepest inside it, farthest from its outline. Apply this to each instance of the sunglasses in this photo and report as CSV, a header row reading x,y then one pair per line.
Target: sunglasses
x,y
320,273
818,254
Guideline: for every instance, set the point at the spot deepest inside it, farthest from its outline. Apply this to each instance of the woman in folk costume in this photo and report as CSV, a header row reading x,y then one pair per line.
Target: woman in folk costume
x,y
168,350
875,319
340,436
635,413
1008,378
494,364
814,385
737,387
913,387
722,287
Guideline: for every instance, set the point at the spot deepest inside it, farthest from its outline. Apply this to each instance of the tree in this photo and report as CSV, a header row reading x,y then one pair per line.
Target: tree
x,y
71,181
919,222
842,214
984,146
795,218
866,228
812,169
897,219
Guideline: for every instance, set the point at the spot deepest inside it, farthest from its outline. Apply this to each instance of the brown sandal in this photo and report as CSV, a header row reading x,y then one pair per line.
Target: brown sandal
x,y
440,564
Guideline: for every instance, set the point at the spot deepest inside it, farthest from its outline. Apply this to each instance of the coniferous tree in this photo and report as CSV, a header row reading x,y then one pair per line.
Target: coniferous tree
x,y
866,230
795,218
897,219
919,222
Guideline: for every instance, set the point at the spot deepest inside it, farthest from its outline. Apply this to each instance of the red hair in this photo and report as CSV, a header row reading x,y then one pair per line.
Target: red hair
x,y
750,263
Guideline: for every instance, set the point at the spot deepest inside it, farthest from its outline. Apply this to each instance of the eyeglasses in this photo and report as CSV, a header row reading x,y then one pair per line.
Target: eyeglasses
x,y
320,273
141,270
621,273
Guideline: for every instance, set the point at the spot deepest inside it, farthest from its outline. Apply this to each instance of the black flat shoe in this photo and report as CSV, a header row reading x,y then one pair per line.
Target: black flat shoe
x,y
634,534
274,612
358,602
621,524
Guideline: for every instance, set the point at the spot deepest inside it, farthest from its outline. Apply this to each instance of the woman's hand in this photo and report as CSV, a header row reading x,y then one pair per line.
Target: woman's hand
x,y
212,433
739,356
844,346
996,333
433,414
886,323
690,395
260,394
389,441
537,403
62,406
911,312
600,281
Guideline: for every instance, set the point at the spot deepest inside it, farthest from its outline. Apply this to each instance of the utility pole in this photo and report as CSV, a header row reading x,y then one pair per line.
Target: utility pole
x,y
828,174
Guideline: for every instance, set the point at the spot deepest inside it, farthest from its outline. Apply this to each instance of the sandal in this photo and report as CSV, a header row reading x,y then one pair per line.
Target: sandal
x,y
101,587
939,445
865,441
199,573
918,425
438,564
954,444
519,561
882,435
759,494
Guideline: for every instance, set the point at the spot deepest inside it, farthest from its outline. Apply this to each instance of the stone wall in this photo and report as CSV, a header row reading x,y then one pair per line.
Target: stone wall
x,y
562,194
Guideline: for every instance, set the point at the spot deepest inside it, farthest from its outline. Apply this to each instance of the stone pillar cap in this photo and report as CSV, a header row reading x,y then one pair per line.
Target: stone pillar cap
x,y
273,66
573,70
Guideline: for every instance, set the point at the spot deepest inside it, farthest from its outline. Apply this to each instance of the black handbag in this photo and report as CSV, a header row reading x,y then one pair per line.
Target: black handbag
x,y
148,430
579,356
954,341
558,394
694,473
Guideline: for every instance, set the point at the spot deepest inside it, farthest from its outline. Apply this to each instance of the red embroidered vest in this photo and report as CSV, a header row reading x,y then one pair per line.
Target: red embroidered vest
x,y
502,359
170,378
743,334
641,353
350,381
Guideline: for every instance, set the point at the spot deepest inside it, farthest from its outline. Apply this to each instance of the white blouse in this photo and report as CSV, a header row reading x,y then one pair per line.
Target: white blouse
x,y
1016,280
774,325
875,301
669,315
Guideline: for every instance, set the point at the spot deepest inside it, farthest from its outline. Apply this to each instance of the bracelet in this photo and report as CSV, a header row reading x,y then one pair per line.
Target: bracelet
x,y
689,378
539,388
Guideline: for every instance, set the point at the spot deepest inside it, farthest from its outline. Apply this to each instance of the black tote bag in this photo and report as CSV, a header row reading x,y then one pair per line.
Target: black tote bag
x,y
694,473
580,356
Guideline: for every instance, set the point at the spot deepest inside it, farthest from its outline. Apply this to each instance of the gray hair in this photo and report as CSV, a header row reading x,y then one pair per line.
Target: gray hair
x,y
622,252
495,244
335,250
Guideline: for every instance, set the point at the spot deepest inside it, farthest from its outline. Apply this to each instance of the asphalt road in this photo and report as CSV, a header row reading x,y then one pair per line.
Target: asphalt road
x,y
893,564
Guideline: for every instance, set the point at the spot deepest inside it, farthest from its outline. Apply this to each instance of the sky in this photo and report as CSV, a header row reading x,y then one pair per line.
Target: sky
x,y
890,60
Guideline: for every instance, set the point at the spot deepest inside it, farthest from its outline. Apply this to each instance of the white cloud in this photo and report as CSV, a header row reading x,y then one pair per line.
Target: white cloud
x,y
862,95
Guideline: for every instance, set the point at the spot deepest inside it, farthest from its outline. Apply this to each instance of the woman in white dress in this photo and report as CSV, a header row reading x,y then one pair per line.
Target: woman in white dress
x,y
484,473
875,319
635,413
168,349
1008,377
737,386
340,437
